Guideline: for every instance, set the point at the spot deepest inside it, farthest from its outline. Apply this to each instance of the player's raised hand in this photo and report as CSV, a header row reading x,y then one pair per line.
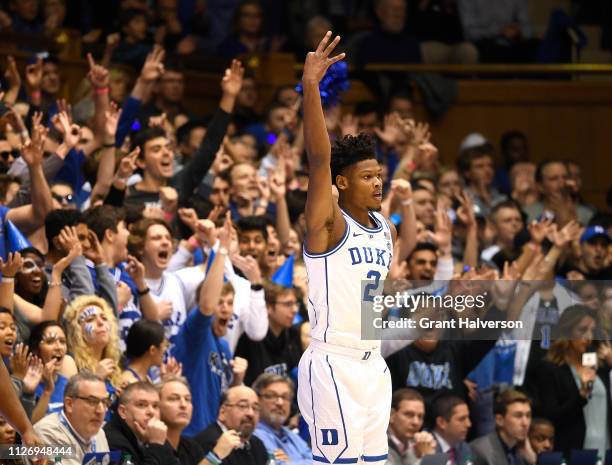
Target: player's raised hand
x,y
318,61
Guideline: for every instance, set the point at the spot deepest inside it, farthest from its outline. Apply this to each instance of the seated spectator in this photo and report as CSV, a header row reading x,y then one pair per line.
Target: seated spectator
x,y
79,424
278,352
542,435
407,443
452,423
554,186
136,429
502,33
437,25
175,408
512,418
230,439
389,42
146,345
576,398
476,166
93,338
48,342
276,393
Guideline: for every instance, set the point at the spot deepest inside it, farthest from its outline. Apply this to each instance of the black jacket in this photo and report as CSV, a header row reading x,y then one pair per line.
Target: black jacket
x,y
557,397
121,437
273,354
254,453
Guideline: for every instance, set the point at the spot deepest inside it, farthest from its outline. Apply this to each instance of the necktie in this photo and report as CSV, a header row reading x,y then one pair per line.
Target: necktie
x,y
453,456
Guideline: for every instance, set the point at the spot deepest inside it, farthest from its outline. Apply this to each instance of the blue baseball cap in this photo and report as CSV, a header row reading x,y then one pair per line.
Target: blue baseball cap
x,y
595,231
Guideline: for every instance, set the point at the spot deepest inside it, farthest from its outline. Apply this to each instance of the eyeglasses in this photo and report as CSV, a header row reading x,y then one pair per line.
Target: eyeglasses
x,y
6,154
68,198
289,304
93,402
274,397
244,406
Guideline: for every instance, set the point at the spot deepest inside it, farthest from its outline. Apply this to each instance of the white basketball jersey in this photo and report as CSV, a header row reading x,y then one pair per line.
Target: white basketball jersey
x,y
335,280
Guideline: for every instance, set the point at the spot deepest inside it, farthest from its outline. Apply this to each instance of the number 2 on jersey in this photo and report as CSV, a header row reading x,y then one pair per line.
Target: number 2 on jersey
x,y
375,275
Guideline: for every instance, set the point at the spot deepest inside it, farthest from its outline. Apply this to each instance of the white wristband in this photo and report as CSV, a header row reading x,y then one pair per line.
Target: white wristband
x,y
405,203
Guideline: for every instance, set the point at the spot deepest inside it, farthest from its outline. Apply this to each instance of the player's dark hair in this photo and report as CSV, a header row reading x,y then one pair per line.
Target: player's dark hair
x,y
445,404
350,150
253,223
403,394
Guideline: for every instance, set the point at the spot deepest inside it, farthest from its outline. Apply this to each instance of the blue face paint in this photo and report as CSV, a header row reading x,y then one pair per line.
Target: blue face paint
x,y
89,311
89,330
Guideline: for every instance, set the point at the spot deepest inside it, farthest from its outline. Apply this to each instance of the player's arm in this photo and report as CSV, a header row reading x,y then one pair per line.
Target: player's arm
x,y
324,222
407,239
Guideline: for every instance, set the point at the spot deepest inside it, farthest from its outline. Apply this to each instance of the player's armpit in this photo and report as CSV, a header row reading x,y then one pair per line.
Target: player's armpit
x,y
323,237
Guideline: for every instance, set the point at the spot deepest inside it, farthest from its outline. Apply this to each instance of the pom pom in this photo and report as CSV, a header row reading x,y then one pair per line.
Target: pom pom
x,y
332,85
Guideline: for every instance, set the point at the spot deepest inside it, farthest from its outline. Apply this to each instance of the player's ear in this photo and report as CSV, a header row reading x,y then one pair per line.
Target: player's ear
x,y
341,182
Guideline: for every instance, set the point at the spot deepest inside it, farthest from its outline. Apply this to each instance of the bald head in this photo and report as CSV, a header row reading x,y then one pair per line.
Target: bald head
x,y
240,410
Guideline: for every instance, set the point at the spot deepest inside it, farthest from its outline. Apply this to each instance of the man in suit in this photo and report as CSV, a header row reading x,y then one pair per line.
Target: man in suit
x,y
504,446
452,423
230,439
407,443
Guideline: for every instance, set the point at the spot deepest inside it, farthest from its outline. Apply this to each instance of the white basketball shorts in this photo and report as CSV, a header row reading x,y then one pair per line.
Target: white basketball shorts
x,y
345,398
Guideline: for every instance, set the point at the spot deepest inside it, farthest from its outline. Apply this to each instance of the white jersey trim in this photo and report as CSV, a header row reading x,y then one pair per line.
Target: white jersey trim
x,y
371,214
329,252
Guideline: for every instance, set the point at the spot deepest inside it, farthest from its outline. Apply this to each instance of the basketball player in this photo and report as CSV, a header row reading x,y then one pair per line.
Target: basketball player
x,y
344,384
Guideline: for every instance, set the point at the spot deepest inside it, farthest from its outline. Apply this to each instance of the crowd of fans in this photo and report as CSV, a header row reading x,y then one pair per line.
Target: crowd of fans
x,y
154,300
381,31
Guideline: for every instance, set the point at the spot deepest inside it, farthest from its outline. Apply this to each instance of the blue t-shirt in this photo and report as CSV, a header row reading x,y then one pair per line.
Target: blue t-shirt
x,y
56,402
206,365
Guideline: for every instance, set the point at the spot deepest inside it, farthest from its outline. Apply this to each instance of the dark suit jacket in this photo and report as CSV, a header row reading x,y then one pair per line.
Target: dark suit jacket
x,y
558,399
121,437
488,450
254,453
463,452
